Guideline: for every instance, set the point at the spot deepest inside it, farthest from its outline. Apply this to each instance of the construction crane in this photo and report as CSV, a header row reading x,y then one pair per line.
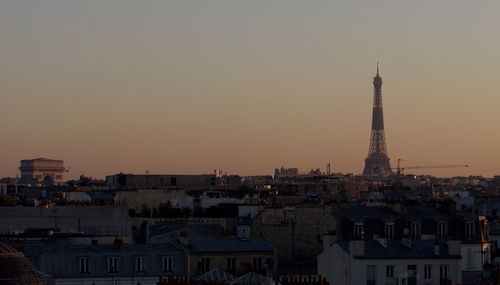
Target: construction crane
x,y
400,170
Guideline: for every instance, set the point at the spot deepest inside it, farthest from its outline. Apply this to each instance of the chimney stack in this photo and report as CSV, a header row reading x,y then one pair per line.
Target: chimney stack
x,y
436,249
406,238
357,247
183,238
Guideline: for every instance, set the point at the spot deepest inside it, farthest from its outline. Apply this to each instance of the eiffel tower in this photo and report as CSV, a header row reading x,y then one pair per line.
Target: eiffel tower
x,y
377,162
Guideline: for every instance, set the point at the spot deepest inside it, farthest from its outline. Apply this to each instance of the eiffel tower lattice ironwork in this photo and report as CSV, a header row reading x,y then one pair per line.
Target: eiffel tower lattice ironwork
x,y
377,162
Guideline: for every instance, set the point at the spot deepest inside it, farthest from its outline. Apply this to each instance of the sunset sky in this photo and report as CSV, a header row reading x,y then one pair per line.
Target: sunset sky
x,y
246,86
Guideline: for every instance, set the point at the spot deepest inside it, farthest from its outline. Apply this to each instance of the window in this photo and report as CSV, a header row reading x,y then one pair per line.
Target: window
x,y
231,264
442,230
428,271
257,264
166,264
389,271
140,264
113,264
443,274
415,230
84,265
469,230
358,231
371,275
204,265
389,231
411,274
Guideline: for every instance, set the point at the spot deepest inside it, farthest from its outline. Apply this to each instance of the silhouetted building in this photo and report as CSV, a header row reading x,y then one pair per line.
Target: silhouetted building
x,y
102,264
16,269
200,181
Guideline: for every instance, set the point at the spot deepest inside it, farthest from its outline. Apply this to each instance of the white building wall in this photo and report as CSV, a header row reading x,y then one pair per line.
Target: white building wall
x,y
339,268
358,270
333,263
471,256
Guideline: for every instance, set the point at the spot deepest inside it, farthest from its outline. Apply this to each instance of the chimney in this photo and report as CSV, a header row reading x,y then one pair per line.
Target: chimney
x,y
407,242
406,238
183,238
454,247
357,247
436,249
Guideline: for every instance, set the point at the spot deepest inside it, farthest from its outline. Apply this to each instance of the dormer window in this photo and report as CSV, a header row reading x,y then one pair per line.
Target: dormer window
x,y
469,230
359,233
167,264
84,265
442,230
389,230
415,230
113,264
140,264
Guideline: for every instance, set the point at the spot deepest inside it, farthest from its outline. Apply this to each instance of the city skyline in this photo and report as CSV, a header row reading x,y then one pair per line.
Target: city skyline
x,y
185,87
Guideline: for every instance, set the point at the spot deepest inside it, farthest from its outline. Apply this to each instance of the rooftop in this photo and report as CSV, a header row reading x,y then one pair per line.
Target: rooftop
x,y
397,249
228,244
425,212
65,248
358,211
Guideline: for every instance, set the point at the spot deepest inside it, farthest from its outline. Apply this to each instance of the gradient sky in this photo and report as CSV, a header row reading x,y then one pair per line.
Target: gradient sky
x,y
247,86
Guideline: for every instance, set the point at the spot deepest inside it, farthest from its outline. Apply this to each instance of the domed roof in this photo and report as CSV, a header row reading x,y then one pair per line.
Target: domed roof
x,y
15,268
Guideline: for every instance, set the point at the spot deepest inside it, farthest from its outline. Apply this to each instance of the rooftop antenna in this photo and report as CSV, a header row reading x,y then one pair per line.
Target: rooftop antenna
x,y
377,68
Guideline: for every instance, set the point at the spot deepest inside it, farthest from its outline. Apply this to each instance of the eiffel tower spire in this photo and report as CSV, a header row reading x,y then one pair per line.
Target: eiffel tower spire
x,y
377,162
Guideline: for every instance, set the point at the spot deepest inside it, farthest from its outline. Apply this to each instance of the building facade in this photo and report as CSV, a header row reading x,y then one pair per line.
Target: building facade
x,y
390,262
161,181
48,171
137,264
231,254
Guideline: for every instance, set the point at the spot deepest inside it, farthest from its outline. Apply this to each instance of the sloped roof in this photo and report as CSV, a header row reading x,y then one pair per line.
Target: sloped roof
x,y
359,211
16,269
37,248
228,244
253,278
215,275
425,212
160,229
397,249
474,277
